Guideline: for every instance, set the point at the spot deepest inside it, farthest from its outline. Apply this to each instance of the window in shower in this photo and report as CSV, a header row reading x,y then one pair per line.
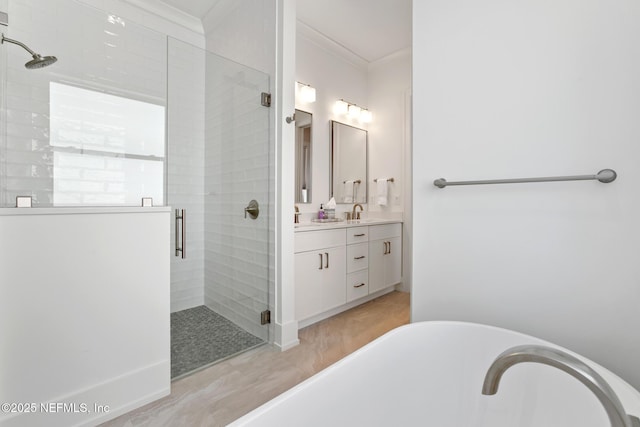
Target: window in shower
x,y
108,150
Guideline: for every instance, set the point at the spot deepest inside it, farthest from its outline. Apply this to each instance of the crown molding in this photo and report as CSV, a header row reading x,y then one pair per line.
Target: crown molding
x,y
329,45
169,13
399,54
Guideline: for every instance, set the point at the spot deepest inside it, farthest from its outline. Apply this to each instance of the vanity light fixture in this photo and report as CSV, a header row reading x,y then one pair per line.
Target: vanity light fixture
x,y
341,107
306,93
352,110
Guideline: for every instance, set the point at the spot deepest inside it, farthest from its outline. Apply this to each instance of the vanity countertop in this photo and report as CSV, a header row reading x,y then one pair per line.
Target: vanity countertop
x,y
314,226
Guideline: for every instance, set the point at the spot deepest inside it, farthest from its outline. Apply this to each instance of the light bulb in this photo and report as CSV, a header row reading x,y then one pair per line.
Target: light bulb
x,y
366,116
354,111
307,94
341,107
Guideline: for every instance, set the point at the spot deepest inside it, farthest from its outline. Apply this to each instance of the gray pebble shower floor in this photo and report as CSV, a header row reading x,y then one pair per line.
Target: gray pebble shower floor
x,y
200,337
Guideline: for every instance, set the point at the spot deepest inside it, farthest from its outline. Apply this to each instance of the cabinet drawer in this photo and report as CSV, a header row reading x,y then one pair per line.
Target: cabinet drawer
x,y
385,231
357,235
357,257
313,240
357,285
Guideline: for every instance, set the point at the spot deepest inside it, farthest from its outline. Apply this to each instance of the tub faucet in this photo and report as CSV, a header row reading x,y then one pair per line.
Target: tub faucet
x,y
567,363
355,215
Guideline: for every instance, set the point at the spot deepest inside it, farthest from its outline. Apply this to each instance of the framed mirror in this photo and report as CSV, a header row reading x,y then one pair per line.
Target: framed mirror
x,y
348,169
303,157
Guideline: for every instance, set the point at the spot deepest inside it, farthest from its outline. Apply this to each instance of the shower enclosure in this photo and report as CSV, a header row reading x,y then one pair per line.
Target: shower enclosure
x,y
128,113
218,181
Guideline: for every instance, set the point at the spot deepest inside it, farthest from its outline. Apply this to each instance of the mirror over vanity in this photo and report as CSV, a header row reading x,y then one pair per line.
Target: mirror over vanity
x,y
348,168
303,157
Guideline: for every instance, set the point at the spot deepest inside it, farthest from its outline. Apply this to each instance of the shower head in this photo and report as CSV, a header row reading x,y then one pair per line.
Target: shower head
x,y
37,61
40,61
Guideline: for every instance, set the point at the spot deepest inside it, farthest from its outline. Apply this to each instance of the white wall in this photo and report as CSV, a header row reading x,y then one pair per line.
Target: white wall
x,y
389,83
336,74
84,311
186,168
286,324
524,89
382,86
244,32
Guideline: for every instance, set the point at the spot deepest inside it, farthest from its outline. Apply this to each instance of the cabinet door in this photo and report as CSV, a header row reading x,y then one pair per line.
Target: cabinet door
x,y
393,261
308,283
334,278
320,278
385,263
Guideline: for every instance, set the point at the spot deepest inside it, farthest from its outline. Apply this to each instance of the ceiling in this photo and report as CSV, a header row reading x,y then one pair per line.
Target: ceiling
x,y
371,29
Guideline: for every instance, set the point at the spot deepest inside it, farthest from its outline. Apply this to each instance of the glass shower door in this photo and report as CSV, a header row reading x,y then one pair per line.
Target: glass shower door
x,y
237,181
218,172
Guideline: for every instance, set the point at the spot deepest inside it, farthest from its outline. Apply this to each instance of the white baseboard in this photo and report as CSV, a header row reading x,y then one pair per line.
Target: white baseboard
x,y
120,395
286,335
318,317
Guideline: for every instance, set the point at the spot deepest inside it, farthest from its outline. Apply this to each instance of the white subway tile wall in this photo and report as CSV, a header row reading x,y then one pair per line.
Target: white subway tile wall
x,y
96,52
212,179
185,168
237,171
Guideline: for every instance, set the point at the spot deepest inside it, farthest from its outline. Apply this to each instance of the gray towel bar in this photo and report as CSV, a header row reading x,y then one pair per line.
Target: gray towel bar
x,y
605,176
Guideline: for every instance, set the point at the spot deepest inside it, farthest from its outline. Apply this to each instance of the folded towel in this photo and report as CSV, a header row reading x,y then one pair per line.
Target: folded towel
x,y
382,191
348,192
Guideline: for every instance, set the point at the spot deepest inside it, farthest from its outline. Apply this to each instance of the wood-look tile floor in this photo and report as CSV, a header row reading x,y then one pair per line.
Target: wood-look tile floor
x,y
224,392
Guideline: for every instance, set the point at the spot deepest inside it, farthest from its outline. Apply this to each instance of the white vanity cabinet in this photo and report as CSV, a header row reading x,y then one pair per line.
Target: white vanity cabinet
x,y
385,252
320,271
341,267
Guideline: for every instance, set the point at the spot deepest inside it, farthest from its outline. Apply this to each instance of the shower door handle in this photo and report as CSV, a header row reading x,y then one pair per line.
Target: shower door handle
x,y
181,233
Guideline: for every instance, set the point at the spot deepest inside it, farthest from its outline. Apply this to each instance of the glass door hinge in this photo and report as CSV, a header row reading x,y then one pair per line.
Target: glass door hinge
x,y
265,317
265,99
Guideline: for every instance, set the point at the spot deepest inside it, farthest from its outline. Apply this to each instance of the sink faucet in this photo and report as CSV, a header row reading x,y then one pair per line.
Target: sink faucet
x,y
567,363
296,214
355,215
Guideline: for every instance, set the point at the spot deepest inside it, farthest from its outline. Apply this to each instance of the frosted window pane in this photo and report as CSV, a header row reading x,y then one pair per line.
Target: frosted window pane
x,y
94,180
90,120
108,150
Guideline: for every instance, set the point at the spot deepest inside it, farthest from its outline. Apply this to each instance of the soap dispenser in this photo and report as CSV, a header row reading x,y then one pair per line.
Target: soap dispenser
x,y
321,212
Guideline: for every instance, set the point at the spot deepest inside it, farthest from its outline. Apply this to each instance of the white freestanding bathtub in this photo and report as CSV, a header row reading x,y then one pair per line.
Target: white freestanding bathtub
x,y
431,374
